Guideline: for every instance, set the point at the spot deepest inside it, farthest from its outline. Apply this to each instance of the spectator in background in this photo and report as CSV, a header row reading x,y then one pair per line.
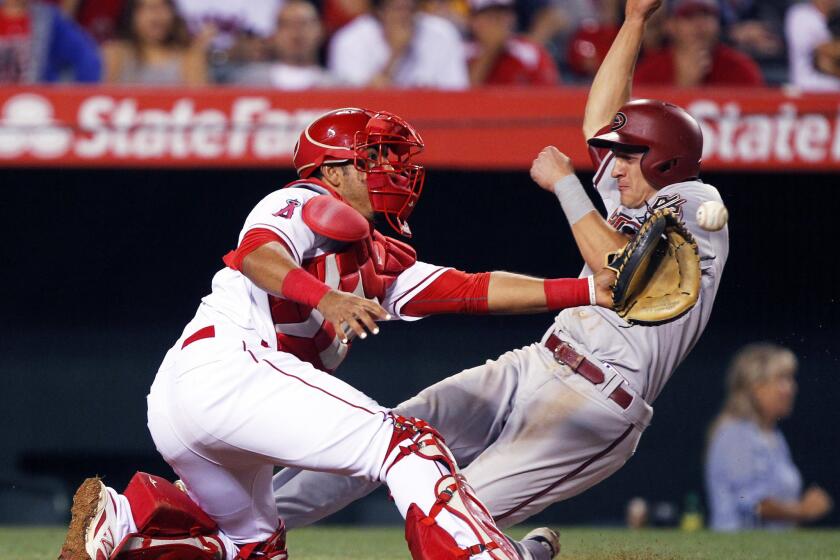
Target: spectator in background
x,y
497,56
655,36
98,17
233,19
296,44
243,28
750,477
338,13
555,20
154,47
754,26
807,33
555,23
39,44
827,56
456,11
695,56
589,46
397,46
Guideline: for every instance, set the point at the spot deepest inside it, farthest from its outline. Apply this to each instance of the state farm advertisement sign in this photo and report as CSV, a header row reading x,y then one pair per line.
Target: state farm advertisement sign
x,y
108,130
481,130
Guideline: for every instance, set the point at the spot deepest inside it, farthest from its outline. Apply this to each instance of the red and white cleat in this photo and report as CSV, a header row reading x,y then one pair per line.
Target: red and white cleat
x,y
91,535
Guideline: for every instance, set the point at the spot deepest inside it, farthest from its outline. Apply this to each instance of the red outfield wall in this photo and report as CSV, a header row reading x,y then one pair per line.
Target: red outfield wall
x,y
767,130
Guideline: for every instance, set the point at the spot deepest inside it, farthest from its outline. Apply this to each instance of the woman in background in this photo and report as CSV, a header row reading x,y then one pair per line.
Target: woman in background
x,y
154,47
750,477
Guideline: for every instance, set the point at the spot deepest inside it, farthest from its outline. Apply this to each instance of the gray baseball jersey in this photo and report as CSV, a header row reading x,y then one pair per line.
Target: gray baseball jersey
x,y
530,431
648,356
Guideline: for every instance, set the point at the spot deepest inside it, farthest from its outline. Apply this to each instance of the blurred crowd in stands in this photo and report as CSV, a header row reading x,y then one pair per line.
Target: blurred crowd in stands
x,y
446,44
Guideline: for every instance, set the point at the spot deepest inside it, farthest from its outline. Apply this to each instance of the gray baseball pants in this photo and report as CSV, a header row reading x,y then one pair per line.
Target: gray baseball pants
x,y
527,431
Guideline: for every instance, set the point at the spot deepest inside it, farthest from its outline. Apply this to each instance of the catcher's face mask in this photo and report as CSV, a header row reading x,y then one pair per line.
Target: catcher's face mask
x,y
380,145
385,151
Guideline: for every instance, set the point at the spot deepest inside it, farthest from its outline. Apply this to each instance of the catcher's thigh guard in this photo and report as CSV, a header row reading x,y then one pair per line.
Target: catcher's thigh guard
x,y
427,540
170,526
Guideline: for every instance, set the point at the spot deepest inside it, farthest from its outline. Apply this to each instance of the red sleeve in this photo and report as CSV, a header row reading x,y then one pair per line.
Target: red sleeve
x,y
451,292
254,239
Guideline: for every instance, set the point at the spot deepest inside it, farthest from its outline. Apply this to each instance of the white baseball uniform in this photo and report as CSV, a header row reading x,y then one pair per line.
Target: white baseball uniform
x,y
240,392
530,430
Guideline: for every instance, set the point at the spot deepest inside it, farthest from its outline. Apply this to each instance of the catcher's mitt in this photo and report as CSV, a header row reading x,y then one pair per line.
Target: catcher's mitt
x,y
657,272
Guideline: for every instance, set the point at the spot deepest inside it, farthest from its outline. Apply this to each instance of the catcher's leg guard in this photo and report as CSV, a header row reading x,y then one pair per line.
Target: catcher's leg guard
x,y
170,526
427,540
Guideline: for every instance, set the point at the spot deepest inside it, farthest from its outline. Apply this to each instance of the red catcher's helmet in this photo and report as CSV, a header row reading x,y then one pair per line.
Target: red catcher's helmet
x,y
669,136
380,144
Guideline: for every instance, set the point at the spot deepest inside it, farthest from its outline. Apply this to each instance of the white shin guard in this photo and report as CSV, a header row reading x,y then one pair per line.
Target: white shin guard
x,y
444,518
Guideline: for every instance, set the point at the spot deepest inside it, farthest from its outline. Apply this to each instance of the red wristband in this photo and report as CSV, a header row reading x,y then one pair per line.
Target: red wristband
x,y
561,293
302,287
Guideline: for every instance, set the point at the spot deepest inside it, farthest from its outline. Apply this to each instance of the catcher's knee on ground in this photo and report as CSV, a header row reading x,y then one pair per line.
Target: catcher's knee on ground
x,y
444,518
170,525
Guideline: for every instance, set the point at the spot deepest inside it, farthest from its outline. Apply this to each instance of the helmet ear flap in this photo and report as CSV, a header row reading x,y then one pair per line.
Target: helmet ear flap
x,y
667,165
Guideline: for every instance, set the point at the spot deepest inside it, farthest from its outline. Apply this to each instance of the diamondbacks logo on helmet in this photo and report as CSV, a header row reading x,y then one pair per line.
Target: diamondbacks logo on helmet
x,y
619,121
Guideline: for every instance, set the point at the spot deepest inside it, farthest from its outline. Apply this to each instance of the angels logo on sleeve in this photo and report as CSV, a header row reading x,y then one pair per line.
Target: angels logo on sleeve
x,y
288,210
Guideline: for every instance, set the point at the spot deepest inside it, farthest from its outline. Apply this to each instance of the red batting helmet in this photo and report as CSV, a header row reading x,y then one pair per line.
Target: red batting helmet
x,y
378,143
669,136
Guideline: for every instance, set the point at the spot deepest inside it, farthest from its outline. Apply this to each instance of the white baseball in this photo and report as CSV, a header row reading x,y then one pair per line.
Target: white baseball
x,y
712,215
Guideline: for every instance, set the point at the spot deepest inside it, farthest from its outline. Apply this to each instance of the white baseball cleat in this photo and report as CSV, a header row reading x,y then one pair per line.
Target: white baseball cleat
x,y
91,535
549,538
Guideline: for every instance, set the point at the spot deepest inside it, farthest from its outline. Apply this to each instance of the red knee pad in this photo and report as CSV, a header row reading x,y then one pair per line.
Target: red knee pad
x,y
160,508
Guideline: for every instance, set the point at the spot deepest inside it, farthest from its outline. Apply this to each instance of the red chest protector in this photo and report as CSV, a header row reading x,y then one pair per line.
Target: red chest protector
x,y
364,263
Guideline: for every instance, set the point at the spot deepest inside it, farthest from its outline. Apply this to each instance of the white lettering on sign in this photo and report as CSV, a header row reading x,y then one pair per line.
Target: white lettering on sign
x,y
781,137
251,128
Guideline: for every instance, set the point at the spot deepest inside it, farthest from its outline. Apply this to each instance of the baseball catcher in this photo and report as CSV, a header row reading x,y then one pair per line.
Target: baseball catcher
x,y
248,385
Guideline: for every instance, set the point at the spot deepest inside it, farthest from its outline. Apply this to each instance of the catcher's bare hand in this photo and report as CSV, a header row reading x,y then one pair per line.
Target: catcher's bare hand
x,y
604,282
550,166
350,314
640,9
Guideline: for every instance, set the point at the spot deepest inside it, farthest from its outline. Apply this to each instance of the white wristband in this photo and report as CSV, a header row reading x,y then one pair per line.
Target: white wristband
x,y
592,300
573,198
